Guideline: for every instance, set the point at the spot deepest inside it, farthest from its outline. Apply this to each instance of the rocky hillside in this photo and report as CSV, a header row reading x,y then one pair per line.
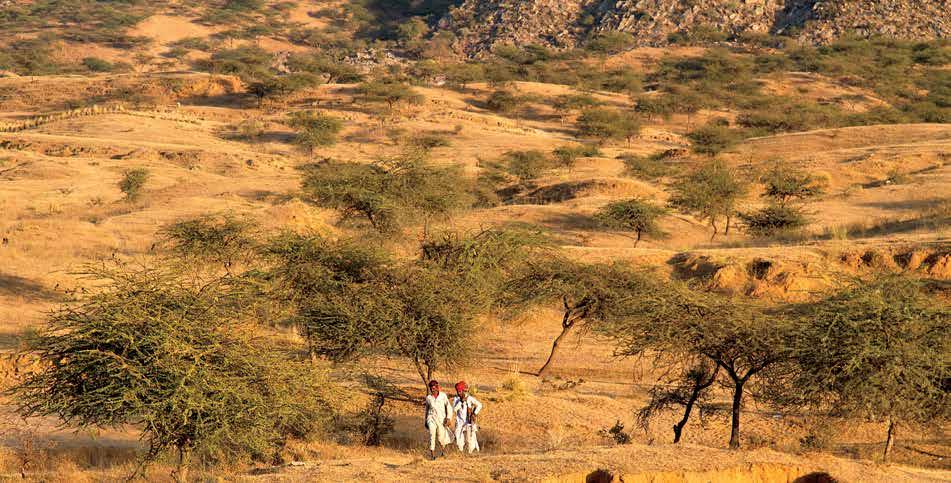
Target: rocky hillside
x,y
565,23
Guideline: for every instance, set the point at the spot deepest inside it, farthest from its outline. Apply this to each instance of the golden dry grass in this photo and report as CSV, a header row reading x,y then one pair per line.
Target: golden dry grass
x,y
61,209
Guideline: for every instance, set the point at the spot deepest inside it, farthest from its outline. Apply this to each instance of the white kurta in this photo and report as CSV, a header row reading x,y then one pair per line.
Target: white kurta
x,y
437,410
465,428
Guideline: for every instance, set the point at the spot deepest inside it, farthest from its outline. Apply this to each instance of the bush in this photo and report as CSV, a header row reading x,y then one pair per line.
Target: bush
x,y
315,129
389,192
773,220
96,64
710,192
632,215
504,102
175,358
713,139
223,240
607,124
526,165
611,42
390,92
430,140
647,167
279,86
568,155
132,183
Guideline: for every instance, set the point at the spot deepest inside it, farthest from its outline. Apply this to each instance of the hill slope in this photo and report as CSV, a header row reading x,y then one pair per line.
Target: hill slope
x,y
558,23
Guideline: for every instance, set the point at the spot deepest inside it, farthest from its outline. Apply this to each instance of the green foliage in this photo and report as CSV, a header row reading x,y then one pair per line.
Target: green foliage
x,y
655,106
647,167
604,124
430,140
527,165
785,184
355,303
389,91
611,42
133,182
179,360
419,313
30,57
879,349
712,139
589,295
389,192
505,102
575,102
279,86
634,215
305,267
96,64
412,29
701,34
567,156
249,63
322,64
87,21
219,239
464,74
314,129
679,327
709,192
773,219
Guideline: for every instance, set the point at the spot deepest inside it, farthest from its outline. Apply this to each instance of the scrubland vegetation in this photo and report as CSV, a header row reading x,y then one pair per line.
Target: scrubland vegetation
x,y
305,235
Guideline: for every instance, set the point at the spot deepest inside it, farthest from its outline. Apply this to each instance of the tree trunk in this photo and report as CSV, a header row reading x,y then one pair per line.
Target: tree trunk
x,y
716,231
566,327
180,474
425,375
889,439
638,239
735,420
698,388
727,232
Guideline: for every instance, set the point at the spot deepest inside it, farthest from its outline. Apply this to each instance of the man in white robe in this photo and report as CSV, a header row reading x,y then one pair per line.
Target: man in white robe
x,y
438,411
466,408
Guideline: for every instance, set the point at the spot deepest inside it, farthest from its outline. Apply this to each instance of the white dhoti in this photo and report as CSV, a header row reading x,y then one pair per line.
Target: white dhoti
x,y
437,432
466,437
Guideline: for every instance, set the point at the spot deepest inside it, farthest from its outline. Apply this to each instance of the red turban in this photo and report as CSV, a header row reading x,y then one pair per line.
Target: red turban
x,y
462,386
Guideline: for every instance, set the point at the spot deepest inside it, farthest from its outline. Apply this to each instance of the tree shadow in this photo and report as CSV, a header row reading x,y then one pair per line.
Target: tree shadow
x,y
15,286
573,221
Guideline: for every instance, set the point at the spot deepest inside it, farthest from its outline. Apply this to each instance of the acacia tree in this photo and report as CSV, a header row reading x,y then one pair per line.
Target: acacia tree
x,y
604,124
314,129
710,192
683,328
574,103
687,388
633,215
507,102
223,240
389,92
782,186
179,359
389,192
353,302
588,294
879,349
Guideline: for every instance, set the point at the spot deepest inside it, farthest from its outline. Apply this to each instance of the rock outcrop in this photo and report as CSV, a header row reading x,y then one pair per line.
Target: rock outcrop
x,y
480,24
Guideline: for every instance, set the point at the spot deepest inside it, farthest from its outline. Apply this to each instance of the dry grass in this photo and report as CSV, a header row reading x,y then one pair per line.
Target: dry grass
x,y
63,209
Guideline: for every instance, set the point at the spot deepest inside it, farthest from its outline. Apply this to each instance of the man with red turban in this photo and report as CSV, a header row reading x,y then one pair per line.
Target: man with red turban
x,y
466,408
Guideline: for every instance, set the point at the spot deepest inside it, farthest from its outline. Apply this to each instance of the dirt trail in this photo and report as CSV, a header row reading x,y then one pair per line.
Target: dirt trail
x,y
628,463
